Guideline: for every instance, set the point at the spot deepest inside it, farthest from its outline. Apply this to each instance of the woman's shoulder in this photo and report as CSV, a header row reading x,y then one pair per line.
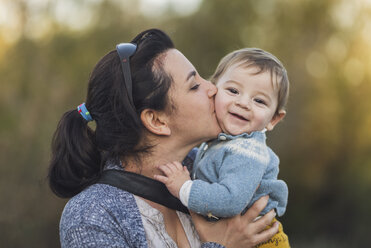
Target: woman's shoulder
x,y
104,215
101,205
100,194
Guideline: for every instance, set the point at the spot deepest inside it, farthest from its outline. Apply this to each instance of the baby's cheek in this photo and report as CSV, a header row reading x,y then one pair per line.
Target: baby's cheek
x,y
219,105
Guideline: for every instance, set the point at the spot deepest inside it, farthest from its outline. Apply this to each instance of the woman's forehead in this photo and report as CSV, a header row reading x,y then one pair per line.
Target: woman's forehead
x,y
177,65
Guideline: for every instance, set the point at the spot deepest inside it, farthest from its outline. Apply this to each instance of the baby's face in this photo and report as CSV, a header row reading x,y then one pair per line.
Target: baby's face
x,y
246,101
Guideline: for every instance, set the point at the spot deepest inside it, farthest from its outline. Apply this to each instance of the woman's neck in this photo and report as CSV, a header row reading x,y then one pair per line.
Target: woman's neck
x,y
161,153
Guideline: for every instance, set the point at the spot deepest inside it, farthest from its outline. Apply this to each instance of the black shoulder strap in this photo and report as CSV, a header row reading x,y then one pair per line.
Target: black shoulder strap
x,y
142,186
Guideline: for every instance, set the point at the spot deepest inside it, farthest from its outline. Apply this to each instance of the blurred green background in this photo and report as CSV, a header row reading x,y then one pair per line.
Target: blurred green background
x,y
48,48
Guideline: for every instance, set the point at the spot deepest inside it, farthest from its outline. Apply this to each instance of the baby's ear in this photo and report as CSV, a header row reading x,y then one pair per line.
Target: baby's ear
x,y
276,118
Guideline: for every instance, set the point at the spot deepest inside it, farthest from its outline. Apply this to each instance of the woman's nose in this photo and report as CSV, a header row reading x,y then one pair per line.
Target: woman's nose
x,y
212,89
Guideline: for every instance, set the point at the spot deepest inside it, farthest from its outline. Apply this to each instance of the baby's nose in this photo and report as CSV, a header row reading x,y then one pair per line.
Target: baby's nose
x,y
243,103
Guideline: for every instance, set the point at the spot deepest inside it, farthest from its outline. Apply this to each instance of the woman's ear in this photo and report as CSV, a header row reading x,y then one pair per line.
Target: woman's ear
x,y
155,122
276,118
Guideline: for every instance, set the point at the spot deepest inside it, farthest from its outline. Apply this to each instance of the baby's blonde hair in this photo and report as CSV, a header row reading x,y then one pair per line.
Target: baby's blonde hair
x,y
264,61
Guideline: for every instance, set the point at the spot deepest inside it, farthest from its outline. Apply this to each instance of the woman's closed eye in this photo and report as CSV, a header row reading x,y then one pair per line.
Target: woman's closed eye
x,y
195,87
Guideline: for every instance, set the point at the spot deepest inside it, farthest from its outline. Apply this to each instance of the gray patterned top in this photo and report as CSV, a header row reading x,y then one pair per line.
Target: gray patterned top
x,y
104,216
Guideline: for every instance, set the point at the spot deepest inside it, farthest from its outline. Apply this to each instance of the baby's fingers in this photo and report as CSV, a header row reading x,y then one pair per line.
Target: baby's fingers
x,y
162,179
185,169
166,169
177,165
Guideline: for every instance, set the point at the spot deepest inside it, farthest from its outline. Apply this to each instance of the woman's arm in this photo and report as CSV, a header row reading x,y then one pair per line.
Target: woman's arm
x,y
102,216
92,236
239,231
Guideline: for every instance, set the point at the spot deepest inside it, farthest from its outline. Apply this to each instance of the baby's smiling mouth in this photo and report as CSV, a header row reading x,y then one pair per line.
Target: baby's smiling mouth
x,y
239,117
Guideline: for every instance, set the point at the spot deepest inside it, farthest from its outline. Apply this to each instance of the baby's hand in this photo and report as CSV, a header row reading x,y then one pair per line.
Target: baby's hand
x,y
175,175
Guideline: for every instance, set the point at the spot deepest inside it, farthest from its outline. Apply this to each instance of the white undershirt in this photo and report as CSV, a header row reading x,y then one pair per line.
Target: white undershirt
x,y
185,191
154,227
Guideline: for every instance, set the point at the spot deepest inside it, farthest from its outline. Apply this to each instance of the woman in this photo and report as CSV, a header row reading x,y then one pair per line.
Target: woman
x,y
142,98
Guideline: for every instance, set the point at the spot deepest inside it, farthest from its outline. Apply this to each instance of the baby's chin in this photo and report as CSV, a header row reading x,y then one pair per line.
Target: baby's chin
x,y
231,129
236,131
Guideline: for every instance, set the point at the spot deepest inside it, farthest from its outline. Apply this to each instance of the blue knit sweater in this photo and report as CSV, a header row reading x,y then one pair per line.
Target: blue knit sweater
x,y
104,216
234,172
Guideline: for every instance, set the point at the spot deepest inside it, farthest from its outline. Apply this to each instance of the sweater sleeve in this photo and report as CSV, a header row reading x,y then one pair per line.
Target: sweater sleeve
x,y
239,175
270,185
102,216
211,245
92,236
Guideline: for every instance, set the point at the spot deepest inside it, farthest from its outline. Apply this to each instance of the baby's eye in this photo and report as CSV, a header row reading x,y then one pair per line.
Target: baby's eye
x,y
233,91
260,101
195,87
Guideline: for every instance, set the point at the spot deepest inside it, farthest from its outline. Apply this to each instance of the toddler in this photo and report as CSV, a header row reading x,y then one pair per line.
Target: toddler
x,y
231,172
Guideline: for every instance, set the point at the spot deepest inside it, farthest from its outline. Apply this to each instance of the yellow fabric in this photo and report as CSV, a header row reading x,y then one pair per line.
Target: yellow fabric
x,y
280,239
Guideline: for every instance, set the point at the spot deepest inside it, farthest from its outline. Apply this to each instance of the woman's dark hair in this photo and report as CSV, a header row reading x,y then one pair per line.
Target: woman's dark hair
x,y
78,152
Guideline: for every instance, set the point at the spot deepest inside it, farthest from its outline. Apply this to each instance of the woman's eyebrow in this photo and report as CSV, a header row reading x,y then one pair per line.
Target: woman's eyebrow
x,y
191,74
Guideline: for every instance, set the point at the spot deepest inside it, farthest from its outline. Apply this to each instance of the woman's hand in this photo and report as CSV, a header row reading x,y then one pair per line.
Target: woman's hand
x,y
238,231
175,175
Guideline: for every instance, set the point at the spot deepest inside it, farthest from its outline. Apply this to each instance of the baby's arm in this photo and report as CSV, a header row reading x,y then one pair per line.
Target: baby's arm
x,y
234,171
175,175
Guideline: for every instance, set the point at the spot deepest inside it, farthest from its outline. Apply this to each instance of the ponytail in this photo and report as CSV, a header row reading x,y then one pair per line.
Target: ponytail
x,y
76,160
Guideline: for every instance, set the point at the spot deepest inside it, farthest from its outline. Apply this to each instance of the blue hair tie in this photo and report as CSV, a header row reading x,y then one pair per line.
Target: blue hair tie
x,y
84,112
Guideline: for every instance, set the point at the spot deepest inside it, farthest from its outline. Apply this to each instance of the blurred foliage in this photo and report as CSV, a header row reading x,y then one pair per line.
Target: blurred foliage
x,y
324,143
